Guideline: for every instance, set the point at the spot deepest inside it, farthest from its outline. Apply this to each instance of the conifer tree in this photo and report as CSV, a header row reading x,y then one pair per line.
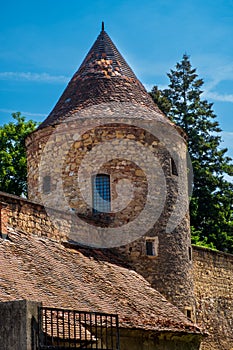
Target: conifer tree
x,y
211,207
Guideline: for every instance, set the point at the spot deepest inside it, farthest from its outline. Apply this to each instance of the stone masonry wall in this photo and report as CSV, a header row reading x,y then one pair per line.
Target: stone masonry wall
x,y
170,270
213,287
212,271
32,218
127,142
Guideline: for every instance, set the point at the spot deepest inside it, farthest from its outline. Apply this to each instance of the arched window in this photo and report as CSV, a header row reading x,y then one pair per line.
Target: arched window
x,y
101,193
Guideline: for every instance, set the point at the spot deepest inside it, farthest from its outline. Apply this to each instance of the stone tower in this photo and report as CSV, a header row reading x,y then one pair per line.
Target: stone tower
x,y
107,154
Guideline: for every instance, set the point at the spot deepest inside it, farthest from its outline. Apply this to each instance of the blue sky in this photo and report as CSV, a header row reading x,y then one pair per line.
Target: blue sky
x,y
42,43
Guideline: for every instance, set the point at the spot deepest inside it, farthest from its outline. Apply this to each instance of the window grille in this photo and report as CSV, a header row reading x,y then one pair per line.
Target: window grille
x,y
101,193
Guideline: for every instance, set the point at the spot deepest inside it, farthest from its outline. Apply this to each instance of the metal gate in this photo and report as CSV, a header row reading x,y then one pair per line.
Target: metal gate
x,y
70,329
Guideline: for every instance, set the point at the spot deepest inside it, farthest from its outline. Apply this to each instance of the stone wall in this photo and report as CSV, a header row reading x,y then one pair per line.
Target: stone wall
x,y
212,271
213,287
146,161
19,331
146,340
170,270
32,218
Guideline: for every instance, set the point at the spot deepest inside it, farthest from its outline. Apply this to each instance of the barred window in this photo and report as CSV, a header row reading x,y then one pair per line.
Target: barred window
x,y
101,193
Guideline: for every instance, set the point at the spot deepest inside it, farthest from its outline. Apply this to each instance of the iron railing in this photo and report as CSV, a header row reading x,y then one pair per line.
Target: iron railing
x,y
69,329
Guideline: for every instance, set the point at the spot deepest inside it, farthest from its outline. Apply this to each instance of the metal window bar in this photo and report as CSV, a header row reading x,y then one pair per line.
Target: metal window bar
x,y
63,329
101,193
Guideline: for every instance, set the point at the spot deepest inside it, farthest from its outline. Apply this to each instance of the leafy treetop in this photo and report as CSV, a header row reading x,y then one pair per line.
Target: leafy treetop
x,y
13,163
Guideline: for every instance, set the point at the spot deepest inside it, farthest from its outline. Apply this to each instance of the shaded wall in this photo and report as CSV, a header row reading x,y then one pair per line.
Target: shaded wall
x,y
146,340
18,325
213,287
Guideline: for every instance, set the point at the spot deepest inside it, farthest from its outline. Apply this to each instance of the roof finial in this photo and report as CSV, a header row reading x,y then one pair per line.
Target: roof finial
x,y
102,26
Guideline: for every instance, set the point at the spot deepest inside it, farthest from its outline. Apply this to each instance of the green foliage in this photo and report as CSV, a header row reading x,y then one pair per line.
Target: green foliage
x,y
211,207
13,164
162,101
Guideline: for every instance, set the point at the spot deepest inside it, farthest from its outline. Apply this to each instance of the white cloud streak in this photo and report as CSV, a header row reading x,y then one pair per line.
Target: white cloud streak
x,y
33,77
217,70
218,97
228,135
214,69
29,114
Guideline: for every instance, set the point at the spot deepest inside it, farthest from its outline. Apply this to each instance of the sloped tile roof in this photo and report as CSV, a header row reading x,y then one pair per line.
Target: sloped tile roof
x,y
104,76
39,269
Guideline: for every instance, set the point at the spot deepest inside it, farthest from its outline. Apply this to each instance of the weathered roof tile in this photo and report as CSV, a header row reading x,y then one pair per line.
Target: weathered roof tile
x,y
104,76
61,276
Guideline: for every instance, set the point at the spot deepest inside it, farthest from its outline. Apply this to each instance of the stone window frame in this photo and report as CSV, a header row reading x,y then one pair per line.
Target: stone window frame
x,y
95,211
155,242
188,311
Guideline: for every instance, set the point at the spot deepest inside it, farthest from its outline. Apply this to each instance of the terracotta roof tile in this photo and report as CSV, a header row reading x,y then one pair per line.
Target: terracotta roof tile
x,y
104,76
61,276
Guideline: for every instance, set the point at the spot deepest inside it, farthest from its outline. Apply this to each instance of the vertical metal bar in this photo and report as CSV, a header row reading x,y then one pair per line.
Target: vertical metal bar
x,y
96,333
51,324
90,315
69,329
49,317
117,334
63,324
101,332
106,330
46,326
80,328
85,323
111,333
58,335
40,323
75,340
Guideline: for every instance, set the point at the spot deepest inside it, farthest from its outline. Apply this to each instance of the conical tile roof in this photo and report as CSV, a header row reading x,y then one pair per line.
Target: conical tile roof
x,y
104,76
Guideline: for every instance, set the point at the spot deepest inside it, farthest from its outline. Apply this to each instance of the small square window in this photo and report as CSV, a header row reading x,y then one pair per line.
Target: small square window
x,y
47,184
188,310
151,246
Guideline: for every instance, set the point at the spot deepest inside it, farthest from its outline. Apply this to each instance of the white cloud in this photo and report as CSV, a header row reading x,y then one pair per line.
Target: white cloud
x,y
215,69
34,77
29,114
228,135
218,97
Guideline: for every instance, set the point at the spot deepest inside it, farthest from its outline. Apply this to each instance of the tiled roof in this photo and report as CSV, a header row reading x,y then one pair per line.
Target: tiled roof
x,y
104,76
39,269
